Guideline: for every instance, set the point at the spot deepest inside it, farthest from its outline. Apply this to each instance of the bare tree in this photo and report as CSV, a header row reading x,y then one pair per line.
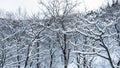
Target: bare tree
x,y
115,2
58,11
29,46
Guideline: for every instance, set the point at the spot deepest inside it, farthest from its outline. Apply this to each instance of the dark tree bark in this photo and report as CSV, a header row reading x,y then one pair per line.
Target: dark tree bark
x,y
28,48
118,40
3,56
107,50
18,59
65,52
38,64
84,56
27,57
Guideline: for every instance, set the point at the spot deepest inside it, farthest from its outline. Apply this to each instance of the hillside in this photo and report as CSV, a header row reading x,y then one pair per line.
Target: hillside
x,y
90,40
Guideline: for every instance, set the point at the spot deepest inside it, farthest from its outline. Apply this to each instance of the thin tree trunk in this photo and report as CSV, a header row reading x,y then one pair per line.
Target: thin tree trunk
x,y
27,57
65,53
38,64
117,2
78,60
3,59
18,59
65,49
84,56
3,56
118,40
108,53
51,60
84,62
118,64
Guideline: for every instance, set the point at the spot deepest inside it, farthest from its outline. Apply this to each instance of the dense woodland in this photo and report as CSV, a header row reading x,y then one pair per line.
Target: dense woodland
x,y
62,38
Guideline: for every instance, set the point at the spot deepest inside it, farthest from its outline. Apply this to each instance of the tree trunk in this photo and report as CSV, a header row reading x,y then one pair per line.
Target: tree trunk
x,y
51,61
84,62
84,56
38,64
18,59
65,53
117,2
27,57
3,58
118,38
78,60
108,53
118,64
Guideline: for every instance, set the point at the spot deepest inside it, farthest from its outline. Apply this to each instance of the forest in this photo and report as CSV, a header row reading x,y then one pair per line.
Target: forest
x,y
62,38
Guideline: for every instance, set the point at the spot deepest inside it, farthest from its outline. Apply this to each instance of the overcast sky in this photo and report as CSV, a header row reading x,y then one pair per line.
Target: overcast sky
x,y
31,6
